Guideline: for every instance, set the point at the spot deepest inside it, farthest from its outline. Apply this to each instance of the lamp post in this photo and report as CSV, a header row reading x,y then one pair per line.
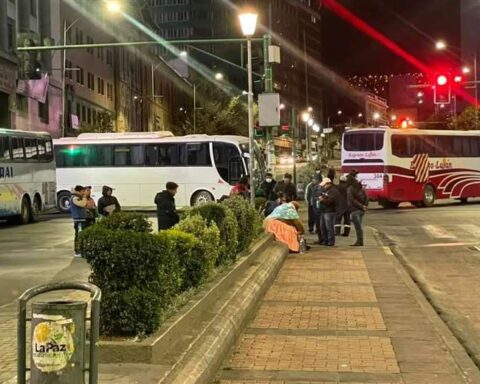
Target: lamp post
x,y
248,23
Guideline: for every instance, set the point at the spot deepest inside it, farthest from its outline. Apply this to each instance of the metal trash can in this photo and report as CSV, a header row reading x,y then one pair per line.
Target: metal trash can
x,y
58,331
58,342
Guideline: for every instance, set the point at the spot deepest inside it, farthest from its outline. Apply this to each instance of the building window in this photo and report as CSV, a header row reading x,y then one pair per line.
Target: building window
x,y
80,78
109,57
69,69
91,81
11,37
43,111
101,86
33,8
79,111
89,116
100,54
84,113
22,105
90,41
79,36
94,116
110,91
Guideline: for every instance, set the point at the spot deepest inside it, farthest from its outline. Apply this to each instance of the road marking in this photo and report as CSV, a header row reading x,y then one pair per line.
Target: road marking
x,y
445,245
438,232
472,229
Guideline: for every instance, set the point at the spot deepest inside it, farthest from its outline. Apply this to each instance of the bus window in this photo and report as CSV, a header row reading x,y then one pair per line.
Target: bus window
x,y
49,149
399,145
16,145
31,152
151,155
129,155
4,148
42,150
171,155
224,155
100,155
363,141
198,155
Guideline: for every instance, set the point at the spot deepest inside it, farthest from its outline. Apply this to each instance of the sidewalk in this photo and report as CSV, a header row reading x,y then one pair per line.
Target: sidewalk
x,y
345,314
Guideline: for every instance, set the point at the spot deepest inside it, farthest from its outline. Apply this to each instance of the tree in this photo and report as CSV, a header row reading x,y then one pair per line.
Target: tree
x,y
466,121
218,113
103,124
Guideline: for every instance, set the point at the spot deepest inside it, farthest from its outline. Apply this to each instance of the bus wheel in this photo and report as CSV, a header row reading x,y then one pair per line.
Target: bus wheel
x,y
201,197
463,200
25,213
63,202
428,196
36,208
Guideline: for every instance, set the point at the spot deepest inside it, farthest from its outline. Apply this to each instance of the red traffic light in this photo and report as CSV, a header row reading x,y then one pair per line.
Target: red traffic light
x,y
442,80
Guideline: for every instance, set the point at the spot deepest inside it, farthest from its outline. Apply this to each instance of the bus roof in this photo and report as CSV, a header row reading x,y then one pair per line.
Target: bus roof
x,y
142,137
415,131
8,131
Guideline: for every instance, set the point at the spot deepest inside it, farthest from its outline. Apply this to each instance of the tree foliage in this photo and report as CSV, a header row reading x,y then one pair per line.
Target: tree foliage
x,y
465,121
103,124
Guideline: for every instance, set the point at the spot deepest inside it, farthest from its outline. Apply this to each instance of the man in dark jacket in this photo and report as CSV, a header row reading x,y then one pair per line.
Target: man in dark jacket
x,y
343,211
167,215
268,186
311,203
358,201
108,203
287,188
330,198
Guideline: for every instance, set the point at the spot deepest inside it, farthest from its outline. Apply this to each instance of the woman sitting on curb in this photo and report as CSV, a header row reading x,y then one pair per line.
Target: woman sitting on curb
x,y
284,223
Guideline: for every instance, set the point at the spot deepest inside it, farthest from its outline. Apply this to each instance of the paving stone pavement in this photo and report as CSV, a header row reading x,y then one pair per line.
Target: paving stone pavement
x,y
336,315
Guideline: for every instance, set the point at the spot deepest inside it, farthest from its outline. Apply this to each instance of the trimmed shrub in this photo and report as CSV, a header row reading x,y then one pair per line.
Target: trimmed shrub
x,y
131,268
224,218
249,221
208,237
127,221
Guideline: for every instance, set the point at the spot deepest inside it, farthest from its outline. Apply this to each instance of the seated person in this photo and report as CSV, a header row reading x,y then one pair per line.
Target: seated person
x,y
272,204
284,223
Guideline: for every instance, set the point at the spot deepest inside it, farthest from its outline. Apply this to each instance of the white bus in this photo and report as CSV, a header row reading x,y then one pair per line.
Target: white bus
x,y
138,165
27,175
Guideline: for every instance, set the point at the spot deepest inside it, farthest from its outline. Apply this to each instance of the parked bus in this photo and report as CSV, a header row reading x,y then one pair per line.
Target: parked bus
x,y
27,175
137,166
412,165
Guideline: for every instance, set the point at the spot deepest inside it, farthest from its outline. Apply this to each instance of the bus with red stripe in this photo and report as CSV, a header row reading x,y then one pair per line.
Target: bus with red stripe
x,y
413,165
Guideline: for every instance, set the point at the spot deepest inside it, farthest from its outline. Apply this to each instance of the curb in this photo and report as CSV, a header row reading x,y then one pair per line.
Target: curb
x,y
466,365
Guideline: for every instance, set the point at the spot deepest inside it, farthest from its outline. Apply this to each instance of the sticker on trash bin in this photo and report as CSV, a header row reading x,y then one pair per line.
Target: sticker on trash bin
x,y
52,343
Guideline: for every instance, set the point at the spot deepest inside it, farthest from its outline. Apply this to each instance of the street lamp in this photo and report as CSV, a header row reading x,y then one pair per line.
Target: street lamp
x,y
360,115
219,76
183,54
310,122
316,127
466,70
310,109
248,23
376,116
305,117
339,112
440,45
113,6
281,106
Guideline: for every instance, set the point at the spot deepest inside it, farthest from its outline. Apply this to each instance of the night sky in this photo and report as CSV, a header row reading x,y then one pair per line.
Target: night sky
x,y
412,24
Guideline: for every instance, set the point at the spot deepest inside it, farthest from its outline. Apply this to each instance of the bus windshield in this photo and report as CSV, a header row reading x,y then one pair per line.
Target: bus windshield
x,y
363,141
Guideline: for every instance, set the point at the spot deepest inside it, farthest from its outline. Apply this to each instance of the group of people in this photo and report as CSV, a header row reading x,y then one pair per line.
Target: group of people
x,y
85,212
330,207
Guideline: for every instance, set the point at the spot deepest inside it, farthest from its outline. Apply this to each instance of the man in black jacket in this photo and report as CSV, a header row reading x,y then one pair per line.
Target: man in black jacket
x,y
167,215
343,211
287,188
108,203
330,199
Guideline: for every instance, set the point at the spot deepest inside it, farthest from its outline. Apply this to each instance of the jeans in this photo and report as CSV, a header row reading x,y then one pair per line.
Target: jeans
x,y
319,226
345,215
329,226
311,218
357,218
79,226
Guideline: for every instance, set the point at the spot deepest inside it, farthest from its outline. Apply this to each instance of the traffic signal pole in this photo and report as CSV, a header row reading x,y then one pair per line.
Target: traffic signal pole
x,y
268,88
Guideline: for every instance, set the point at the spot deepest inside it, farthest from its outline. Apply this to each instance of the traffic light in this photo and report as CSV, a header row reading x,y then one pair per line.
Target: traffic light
x,y
259,131
442,89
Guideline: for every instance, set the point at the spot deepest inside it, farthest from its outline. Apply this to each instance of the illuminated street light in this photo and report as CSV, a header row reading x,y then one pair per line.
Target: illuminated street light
x,y
420,101
248,23
184,54
281,106
305,117
420,94
465,70
339,112
113,6
393,117
316,127
310,122
440,45
376,116
310,109
360,115
442,106
219,76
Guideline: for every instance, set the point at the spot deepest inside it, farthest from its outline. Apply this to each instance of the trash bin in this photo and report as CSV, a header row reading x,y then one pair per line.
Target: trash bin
x,y
58,330
58,342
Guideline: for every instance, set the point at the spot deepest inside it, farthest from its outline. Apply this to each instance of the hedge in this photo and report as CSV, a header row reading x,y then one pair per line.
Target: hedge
x,y
141,273
224,218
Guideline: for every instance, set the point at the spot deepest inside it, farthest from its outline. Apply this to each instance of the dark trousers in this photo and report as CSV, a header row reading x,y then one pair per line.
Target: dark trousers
x,y
345,216
311,218
319,226
357,219
329,227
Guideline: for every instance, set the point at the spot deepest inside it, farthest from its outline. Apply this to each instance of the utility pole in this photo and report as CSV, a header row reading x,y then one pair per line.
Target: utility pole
x,y
294,144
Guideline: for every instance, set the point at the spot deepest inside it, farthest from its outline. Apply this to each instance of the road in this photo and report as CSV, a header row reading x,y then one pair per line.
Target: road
x,y
441,248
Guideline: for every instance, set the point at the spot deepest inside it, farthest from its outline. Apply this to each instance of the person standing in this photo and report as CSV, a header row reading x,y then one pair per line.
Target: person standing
x,y
287,188
268,186
167,215
78,204
330,199
311,203
343,211
108,203
91,206
358,202
318,210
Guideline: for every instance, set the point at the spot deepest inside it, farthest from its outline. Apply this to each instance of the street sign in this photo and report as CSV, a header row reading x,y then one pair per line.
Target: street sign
x,y
327,130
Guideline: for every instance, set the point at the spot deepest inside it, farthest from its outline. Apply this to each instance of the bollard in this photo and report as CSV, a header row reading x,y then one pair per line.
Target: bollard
x,y
58,331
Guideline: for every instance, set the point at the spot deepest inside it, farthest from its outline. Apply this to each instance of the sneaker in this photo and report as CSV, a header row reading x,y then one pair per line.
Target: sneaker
x,y
77,255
